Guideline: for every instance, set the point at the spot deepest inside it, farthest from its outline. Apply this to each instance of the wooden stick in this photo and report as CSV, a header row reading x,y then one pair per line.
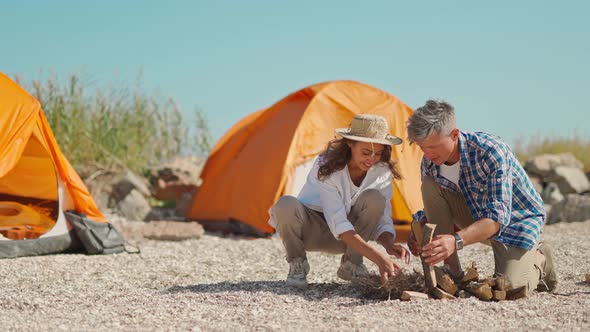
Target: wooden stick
x,y
440,294
429,275
444,281
411,296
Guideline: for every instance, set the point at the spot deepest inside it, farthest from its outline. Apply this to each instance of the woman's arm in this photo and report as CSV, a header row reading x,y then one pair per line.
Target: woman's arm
x,y
387,268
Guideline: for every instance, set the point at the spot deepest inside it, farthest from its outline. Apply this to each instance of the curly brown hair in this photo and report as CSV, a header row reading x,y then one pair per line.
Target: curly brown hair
x,y
338,154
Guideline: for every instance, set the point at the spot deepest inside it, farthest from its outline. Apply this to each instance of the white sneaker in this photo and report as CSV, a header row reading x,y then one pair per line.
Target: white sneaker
x,y
348,270
298,270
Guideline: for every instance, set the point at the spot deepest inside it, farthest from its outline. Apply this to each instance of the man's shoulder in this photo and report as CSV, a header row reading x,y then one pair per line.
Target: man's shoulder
x,y
485,142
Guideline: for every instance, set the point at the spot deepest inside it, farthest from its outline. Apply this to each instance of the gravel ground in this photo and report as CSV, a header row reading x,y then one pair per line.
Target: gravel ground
x,y
220,284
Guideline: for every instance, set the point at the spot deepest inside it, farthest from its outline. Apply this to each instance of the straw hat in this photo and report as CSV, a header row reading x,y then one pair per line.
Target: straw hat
x,y
369,128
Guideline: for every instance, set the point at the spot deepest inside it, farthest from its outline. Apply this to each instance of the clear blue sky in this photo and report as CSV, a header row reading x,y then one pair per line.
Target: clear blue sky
x,y
513,68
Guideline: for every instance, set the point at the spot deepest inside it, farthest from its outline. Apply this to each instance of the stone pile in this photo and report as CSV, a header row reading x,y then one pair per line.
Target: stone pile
x,y
563,185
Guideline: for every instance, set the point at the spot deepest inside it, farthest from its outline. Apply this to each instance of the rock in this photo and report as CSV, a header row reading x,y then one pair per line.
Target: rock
x,y
570,180
537,183
543,165
572,208
172,230
176,178
134,206
587,277
551,194
129,181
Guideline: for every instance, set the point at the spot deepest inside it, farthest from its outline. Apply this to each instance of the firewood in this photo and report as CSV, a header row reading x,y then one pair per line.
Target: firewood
x,y
413,296
503,284
481,290
440,294
490,281
470,275
429,276
499,295
517,293
444,281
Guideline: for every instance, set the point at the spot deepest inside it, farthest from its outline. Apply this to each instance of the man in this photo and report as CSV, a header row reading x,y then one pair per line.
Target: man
x,y
474,183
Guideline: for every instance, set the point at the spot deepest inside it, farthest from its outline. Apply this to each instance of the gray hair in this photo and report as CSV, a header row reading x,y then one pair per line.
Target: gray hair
x,y
436,116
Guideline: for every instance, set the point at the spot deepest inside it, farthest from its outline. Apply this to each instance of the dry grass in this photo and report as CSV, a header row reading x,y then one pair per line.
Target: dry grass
x,y
116,124
372,287
578,145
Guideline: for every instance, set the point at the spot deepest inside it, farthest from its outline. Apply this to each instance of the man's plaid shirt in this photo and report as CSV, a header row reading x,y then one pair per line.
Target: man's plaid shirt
x,y
495,186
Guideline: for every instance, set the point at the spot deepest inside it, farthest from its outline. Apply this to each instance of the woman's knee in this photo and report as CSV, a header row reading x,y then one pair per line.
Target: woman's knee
x,y
284,208
372,199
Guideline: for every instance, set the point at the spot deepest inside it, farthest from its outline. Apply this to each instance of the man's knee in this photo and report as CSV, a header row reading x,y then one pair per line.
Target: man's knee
x,y
429,187
372,199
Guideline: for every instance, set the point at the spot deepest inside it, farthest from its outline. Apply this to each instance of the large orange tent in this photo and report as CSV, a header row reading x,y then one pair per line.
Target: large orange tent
x,y
37,183
269,153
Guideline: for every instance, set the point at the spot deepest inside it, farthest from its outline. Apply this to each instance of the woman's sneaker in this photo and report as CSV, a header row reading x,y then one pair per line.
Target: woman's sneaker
x,y
348,270
298,270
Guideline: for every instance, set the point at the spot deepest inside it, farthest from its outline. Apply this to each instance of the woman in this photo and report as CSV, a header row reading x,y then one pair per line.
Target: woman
x,y
344,203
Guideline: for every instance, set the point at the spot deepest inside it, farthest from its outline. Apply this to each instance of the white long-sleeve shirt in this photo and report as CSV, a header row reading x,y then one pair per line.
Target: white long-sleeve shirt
x,y
336,194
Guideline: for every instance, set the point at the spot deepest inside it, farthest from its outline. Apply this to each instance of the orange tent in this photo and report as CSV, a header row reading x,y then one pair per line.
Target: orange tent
x,y
269,153
37,183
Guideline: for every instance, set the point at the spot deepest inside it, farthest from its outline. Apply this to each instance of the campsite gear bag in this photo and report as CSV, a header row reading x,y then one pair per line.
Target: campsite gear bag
x,y
96,237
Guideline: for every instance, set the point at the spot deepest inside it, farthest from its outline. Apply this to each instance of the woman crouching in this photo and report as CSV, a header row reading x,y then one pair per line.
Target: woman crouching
x,y
345,202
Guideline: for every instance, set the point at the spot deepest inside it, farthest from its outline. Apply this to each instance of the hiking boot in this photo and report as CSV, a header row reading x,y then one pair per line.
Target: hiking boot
x,y
298,270
348,270
548,281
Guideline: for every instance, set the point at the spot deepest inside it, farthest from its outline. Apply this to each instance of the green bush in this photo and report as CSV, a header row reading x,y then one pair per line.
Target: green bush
x,y
578,145
116,126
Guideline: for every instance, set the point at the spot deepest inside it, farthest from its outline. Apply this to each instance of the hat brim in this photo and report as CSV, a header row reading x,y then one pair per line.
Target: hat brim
x,y
388,140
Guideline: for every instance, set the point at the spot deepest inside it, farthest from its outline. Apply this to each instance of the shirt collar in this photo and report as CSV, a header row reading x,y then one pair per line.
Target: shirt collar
x,y
464,155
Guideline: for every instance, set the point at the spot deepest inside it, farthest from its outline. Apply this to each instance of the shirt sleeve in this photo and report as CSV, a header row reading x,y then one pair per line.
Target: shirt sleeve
x,y
385,224
496,201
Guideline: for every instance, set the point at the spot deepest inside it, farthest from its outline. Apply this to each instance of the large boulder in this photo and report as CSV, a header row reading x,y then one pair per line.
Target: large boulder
x,y
572,208
570,180
177,180
551,194
544,165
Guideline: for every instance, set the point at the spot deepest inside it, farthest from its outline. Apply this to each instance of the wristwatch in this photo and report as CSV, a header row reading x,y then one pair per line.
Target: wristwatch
x,y
458,242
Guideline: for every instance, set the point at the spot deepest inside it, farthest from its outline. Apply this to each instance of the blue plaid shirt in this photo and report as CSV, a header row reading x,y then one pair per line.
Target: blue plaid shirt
x,y
495,186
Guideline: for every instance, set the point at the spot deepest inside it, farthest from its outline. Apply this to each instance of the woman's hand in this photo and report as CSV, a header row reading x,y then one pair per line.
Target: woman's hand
x,y
399,251
387,268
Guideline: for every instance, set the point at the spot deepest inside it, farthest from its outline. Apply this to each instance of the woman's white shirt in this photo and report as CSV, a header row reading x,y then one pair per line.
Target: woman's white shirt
x,y
336,194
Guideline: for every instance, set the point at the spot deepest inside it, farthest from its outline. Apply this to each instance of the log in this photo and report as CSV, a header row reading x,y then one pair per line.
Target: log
x,y
499,295
481,290
429,276
503,284
444,281
417,230
440,294
517,293
413,296
470,275
490,281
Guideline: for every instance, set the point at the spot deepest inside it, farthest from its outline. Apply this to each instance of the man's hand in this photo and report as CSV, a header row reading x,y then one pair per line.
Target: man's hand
x,y
440,248
413,245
